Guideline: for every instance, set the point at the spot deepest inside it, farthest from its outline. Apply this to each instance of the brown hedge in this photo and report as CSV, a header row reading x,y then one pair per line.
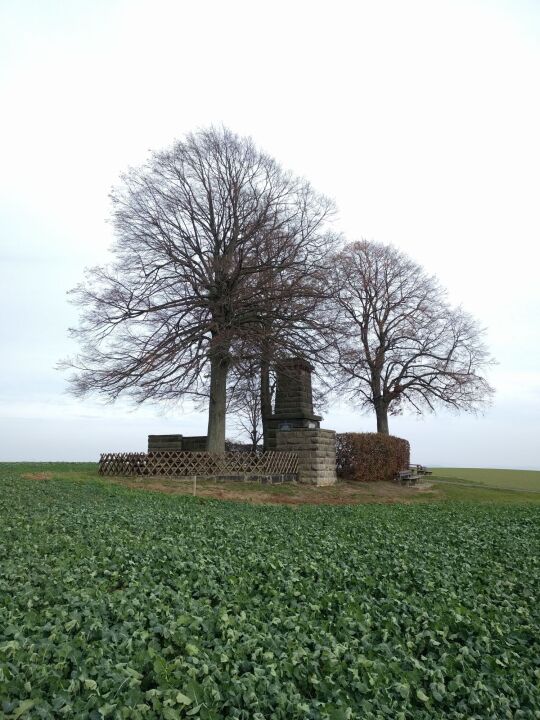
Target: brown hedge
x,y
368,457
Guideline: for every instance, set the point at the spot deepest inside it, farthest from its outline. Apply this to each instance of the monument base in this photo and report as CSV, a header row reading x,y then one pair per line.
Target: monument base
x,y
316,451
286,423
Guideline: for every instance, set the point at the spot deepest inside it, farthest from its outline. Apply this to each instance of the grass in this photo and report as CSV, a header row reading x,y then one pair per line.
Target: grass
x,y
505,479
446,484
144,605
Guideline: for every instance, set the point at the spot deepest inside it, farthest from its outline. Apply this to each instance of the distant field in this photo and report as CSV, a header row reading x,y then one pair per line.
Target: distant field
x,y
507,479
134,605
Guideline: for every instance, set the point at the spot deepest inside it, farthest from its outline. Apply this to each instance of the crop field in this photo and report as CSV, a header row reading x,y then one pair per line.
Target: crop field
x,y
116,603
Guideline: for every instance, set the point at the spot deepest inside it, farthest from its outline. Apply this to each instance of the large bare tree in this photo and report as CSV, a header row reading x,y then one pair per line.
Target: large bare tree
x,y
399,342
190,283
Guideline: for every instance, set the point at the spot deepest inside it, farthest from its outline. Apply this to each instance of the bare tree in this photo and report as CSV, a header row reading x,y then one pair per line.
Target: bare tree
x,y
185,289
291,321
399,342
244,403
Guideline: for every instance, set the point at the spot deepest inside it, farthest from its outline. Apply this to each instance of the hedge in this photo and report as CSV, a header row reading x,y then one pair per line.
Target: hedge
x,y
368,457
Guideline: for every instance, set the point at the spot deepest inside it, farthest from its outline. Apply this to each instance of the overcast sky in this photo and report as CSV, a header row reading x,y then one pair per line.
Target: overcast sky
x,y
421,120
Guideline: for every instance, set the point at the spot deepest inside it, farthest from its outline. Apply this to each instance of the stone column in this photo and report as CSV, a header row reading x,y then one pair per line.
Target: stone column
x,y
294,400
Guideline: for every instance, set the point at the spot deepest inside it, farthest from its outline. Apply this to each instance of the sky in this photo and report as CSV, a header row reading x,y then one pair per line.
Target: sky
x,y
420,119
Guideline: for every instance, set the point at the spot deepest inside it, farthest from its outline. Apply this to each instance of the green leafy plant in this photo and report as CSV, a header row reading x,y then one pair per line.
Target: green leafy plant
x,y
123,604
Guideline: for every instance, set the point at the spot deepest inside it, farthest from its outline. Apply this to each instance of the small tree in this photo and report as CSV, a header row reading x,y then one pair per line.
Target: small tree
x,y
187,285
399,343
244,403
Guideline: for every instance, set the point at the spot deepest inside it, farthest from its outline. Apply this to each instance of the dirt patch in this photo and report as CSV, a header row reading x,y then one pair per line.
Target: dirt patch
x,y
37,476
344,493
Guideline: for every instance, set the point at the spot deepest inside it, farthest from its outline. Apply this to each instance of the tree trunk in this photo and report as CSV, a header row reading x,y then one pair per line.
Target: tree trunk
x,y
381,410
219,367
266,399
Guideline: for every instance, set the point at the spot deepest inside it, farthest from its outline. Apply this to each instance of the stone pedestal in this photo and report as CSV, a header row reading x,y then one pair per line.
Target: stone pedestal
x,y
316,451
294,396
294,400
295,428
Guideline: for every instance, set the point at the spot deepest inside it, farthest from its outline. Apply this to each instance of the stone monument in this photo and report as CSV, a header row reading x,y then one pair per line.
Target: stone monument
x,y
295,428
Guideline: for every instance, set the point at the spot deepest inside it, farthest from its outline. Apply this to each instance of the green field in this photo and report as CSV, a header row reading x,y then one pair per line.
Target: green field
x,y
507,479
134,604
452,484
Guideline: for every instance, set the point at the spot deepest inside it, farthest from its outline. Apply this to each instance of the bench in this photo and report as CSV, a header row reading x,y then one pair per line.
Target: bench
x,y
412,475
406,476
419,469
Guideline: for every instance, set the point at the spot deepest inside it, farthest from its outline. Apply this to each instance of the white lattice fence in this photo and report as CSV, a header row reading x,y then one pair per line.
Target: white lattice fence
x,y
200,464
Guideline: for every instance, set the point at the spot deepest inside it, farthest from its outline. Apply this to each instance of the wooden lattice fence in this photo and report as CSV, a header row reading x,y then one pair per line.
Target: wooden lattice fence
x,y
123,463
199,464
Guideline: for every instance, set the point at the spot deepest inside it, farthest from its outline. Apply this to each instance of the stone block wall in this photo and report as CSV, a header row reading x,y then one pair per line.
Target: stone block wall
x,y
160,443
164,443
194,443
316,451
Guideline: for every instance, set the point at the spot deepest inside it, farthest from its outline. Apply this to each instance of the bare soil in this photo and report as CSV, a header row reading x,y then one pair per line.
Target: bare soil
x,y
38,476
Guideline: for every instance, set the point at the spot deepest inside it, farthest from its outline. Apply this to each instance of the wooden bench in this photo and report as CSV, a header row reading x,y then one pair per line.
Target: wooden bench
x,y
406,476
420,469
412,475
